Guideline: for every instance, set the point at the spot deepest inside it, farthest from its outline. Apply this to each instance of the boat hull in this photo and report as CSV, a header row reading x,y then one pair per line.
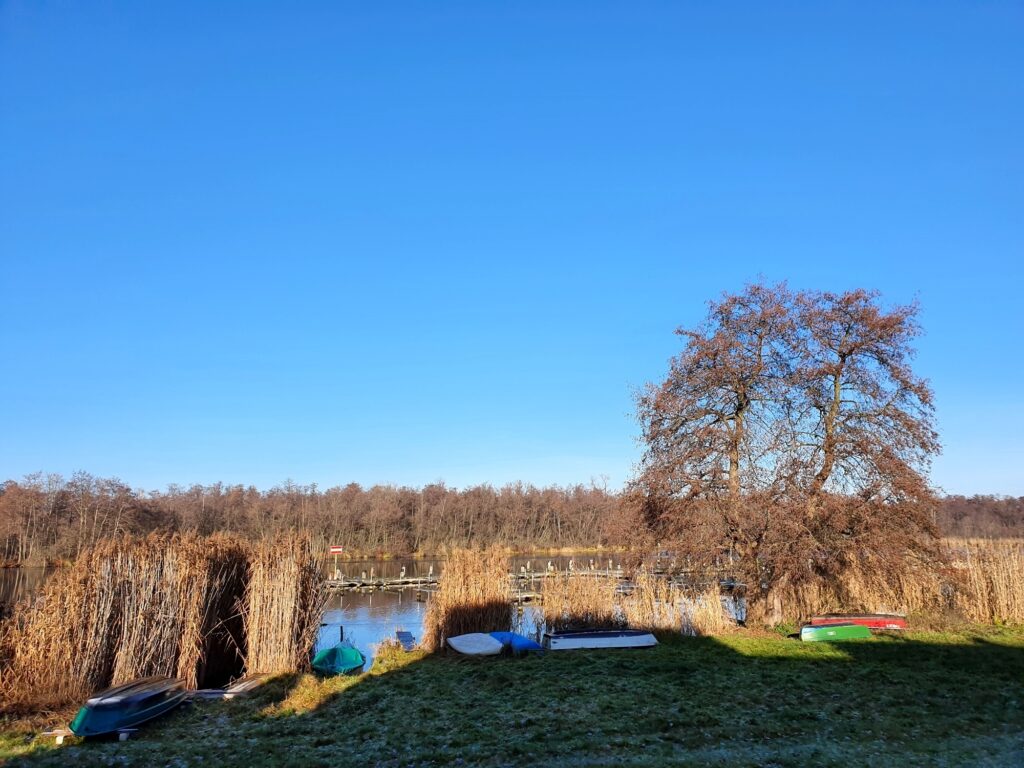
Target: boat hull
x,y
870,620
831,633
569,641
475,644
129,705
516,643
342,659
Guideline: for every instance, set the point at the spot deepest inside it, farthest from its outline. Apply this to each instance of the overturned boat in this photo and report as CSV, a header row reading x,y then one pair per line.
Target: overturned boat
x,y
126,706
869,620
833,632
475,644
600,638
341,659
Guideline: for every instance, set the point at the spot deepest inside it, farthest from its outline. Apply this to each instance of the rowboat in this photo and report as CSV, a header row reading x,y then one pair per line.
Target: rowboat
x,y
515,642
341,659
833,632
126,706
475,644
611,638
871,620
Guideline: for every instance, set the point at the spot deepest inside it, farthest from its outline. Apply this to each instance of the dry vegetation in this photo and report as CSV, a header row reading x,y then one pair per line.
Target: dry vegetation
x,y
976,580
474,594
285,600
170,605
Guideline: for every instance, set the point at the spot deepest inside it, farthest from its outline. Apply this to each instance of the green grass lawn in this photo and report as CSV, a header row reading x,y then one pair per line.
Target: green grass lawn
x,y
918,699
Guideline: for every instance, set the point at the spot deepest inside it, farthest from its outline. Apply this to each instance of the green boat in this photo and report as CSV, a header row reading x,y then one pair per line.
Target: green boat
x,y
128,705
833,632
343,659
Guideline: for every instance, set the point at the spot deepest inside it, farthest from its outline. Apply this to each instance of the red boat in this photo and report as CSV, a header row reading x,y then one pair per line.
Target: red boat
x,y
872,620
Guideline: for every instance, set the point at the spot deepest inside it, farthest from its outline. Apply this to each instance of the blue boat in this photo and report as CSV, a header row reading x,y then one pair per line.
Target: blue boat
x,y
516,643
126,706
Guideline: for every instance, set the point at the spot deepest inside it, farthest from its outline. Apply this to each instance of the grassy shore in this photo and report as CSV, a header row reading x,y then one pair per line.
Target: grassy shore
x,y
743,699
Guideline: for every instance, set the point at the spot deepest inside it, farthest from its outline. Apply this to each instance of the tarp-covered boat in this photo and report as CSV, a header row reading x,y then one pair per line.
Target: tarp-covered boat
x,y
128,705
606,638
833,632
341,659
475,644
870,620
516,643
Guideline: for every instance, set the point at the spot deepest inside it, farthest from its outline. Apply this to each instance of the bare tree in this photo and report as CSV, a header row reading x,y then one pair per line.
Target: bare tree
x,y
791,433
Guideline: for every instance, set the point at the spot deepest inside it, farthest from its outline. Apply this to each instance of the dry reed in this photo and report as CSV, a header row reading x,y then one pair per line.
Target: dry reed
x,y
574,602
284,602
474,594
165,604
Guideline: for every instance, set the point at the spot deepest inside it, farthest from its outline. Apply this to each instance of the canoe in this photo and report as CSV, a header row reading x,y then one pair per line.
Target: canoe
x,y
516,643
128,705
475,644
870,620
342,659
624,638
833,632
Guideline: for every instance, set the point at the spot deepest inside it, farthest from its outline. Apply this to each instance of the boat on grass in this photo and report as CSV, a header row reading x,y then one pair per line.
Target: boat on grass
x,y
604,638
870,620
516,643
126,706
341,659
475,644
833,632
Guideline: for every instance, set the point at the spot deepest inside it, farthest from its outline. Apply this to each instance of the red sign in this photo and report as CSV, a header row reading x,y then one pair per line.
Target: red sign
x,y
337,550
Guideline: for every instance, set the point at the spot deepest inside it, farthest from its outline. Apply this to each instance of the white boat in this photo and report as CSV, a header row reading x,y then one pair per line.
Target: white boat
x,y
604,638
475,644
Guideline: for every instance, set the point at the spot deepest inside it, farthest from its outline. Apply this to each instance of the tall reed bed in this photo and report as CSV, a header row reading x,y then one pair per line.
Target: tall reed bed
x,y
647,601
166,604
474,594
974,580
573,602
285,601
992,579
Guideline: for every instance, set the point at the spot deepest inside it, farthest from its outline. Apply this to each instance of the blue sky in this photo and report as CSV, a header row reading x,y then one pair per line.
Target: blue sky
x,y
406,242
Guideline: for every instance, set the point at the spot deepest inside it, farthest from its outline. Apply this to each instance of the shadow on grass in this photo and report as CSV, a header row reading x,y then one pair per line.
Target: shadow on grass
x,y
739,699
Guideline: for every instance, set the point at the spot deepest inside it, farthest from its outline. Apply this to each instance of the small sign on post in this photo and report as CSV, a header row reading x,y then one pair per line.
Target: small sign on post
x,y
336,550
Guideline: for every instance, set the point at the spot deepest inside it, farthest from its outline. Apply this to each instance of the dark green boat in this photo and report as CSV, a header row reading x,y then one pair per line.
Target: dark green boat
x,y
343,659
128,705
833,632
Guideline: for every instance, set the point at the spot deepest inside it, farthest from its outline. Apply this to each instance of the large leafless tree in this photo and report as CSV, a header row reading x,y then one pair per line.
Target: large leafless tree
x,y
791,433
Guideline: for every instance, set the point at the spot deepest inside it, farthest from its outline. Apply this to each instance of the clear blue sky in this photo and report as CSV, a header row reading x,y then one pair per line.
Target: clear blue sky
x,y
388,242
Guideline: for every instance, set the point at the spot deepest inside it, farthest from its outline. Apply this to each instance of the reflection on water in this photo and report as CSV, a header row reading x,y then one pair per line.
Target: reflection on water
x,y
19,583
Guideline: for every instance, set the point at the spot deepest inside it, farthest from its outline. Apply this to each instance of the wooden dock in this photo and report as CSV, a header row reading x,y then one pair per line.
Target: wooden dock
x,y
424,583
525,582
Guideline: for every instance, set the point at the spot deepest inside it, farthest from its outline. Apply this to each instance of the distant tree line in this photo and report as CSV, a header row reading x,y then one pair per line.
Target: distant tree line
x,y
49,518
